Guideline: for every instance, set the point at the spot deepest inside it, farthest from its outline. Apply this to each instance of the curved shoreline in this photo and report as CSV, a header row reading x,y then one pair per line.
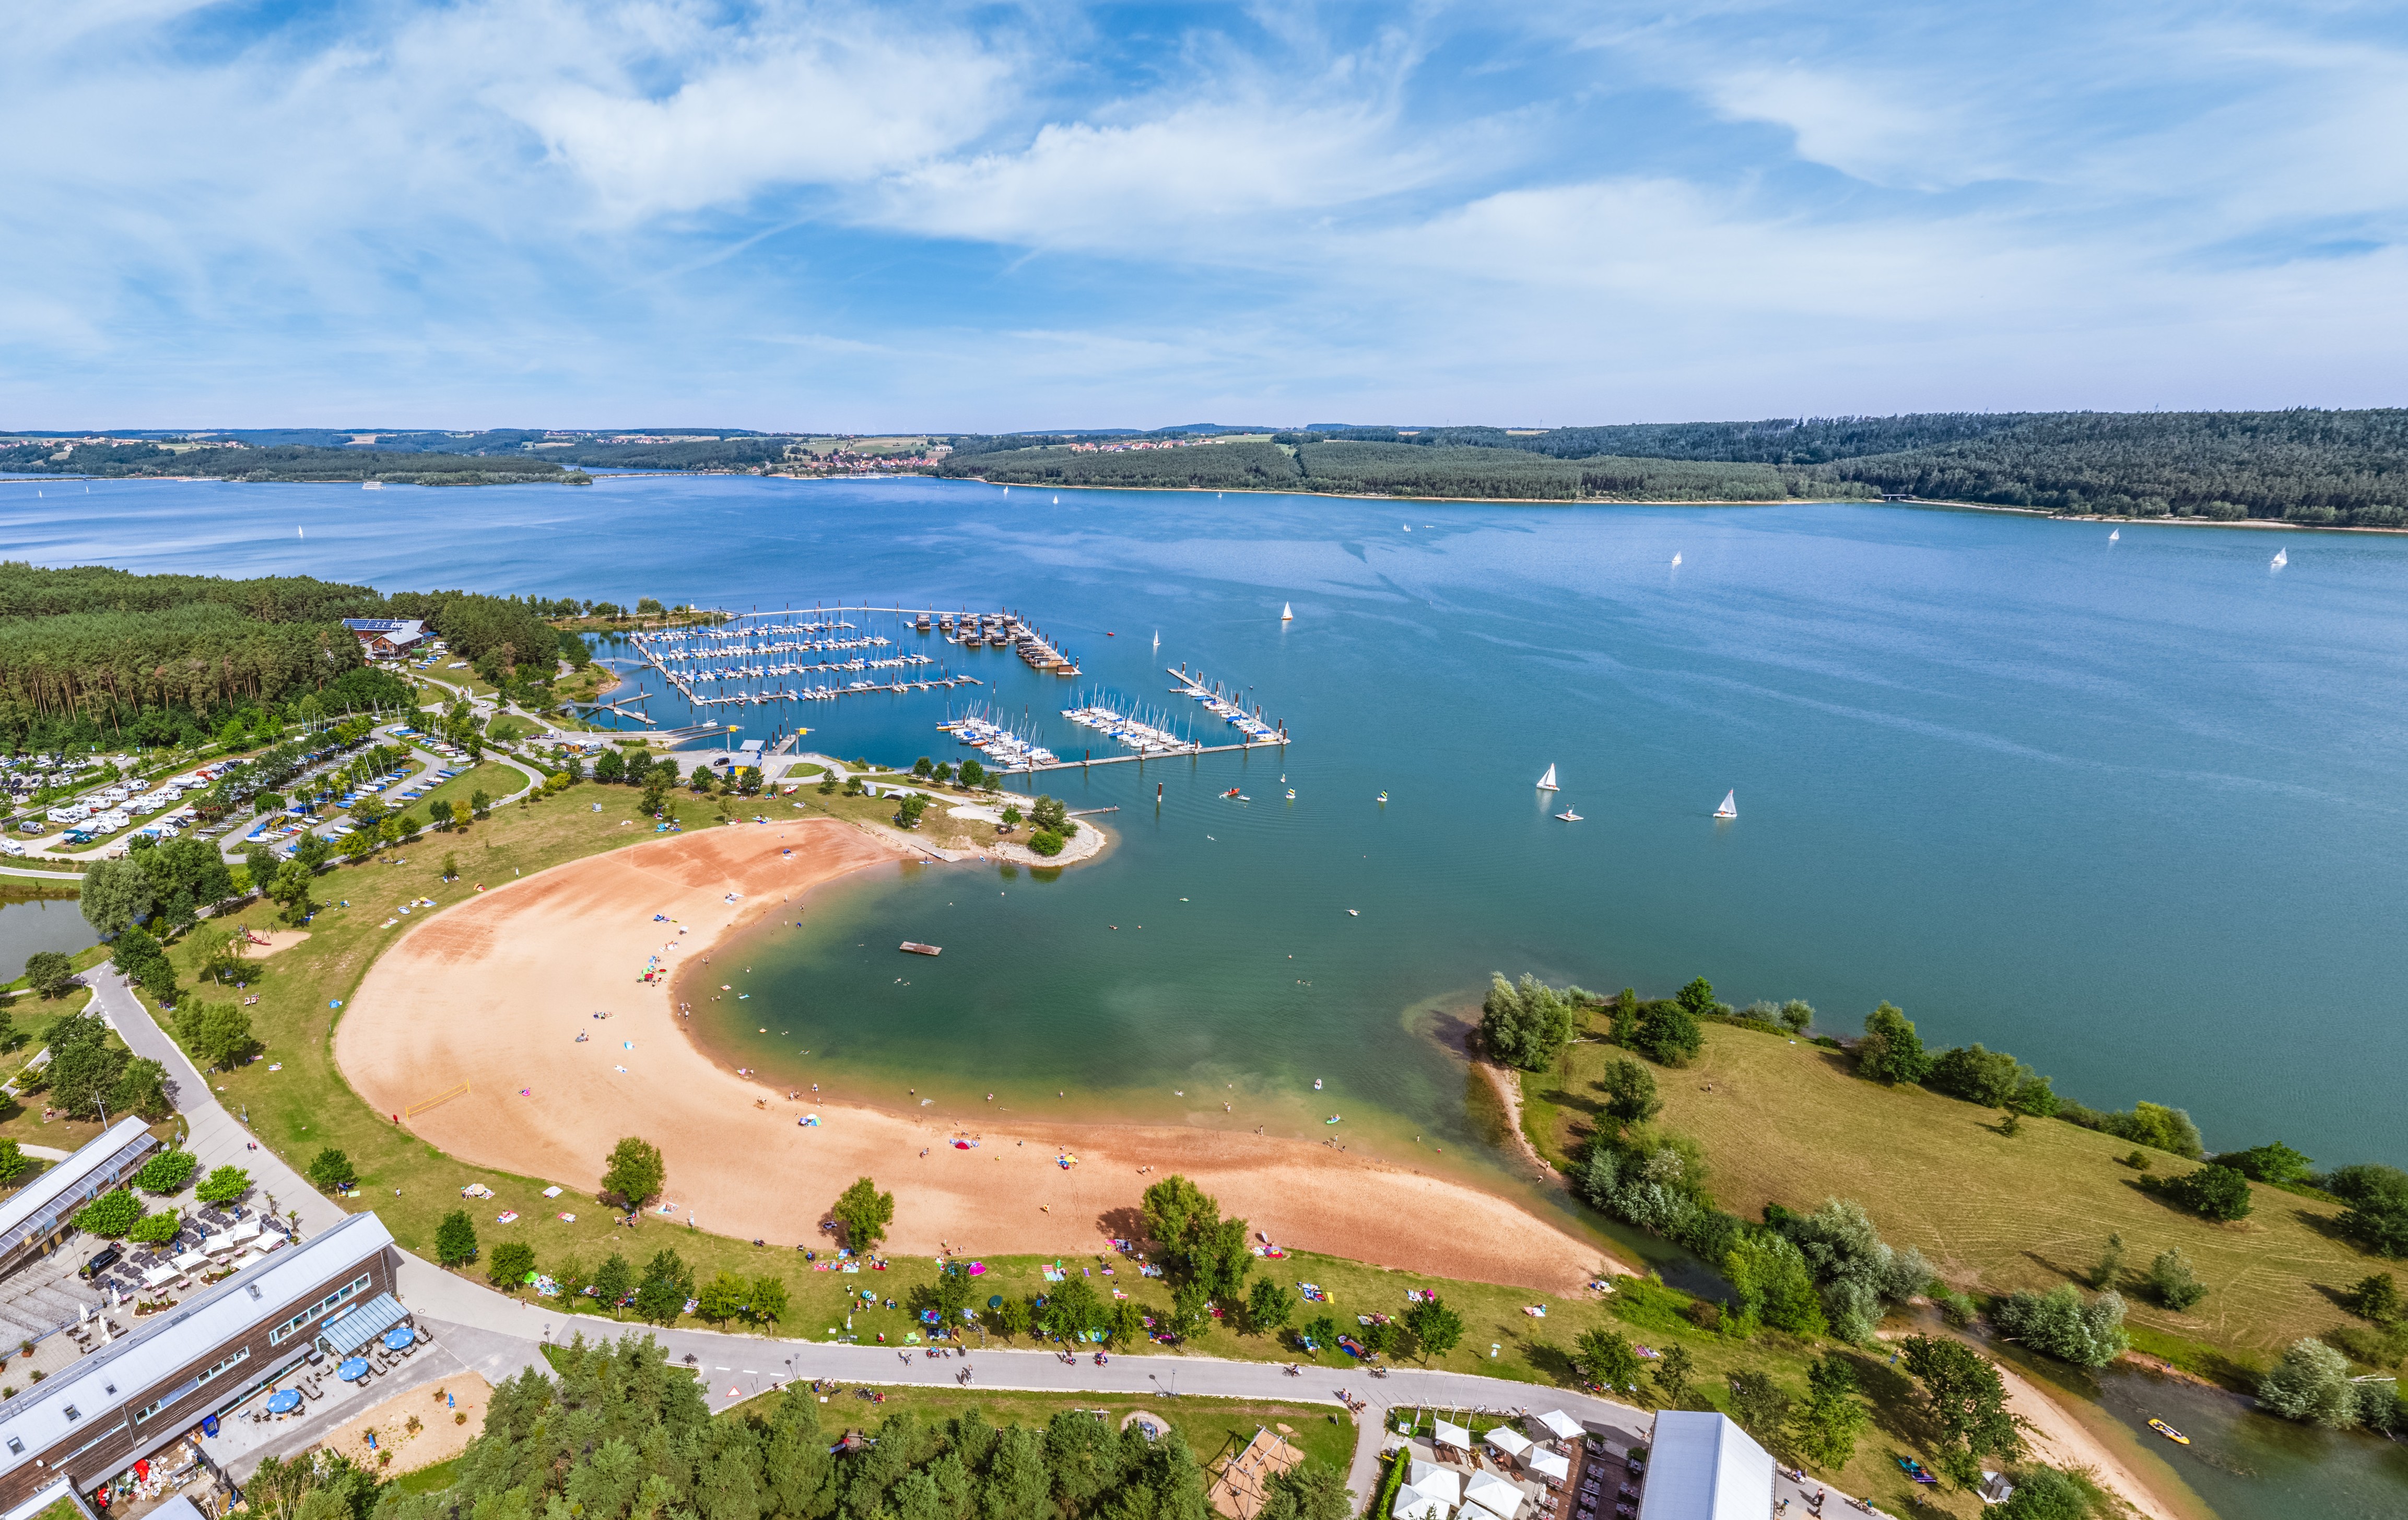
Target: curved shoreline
x,y
493,992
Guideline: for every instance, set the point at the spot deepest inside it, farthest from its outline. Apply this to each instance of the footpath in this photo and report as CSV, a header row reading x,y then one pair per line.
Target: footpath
x,y
500,1335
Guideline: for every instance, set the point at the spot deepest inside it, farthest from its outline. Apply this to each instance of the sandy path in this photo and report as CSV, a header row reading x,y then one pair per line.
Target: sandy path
x,y
493,992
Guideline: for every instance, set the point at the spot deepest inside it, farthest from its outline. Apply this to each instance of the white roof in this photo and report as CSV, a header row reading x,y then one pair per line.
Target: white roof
x,y
1560,1425
171,1341
69,1176
1702,1467
1442,1483
1507,1439
1493,1494
1412,1504
1454,1435
1477,1511
1551,1464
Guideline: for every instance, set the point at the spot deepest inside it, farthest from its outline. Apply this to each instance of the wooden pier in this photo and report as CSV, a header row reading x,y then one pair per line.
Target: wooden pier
x,y
1141,759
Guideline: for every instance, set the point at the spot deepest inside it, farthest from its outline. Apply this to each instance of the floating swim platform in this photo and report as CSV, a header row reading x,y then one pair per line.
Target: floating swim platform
x,y
913,947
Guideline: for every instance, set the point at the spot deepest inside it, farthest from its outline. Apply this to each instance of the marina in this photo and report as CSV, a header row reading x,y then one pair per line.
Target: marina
x,y
756,659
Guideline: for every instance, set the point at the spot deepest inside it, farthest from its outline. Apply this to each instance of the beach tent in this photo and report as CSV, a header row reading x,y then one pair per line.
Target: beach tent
x,y
1507,1440
1560,1425
1550,1465
1702,1467
1453,1435
1444,1485
1493,1495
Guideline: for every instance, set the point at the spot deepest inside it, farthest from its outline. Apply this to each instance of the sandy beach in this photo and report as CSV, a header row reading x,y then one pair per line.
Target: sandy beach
x,y
493,992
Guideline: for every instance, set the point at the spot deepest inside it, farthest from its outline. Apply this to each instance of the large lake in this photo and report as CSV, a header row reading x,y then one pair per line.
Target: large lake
x,y
2129,809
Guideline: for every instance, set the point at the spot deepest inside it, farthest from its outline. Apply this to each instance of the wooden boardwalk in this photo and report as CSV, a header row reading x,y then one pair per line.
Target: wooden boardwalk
x,y
1139,759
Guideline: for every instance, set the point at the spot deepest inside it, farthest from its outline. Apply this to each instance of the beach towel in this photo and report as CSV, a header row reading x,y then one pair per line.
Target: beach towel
x,y
507,1217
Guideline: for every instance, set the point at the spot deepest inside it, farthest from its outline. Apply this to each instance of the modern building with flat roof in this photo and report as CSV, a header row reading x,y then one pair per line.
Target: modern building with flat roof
x,y
137,1394
41,1216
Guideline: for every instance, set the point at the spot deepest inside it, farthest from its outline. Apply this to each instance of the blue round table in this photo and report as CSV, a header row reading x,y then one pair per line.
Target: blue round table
x,y
399,1337
352,1369
284,1402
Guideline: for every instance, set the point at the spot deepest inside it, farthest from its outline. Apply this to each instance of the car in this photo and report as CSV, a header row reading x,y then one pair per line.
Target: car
x,y
101,1260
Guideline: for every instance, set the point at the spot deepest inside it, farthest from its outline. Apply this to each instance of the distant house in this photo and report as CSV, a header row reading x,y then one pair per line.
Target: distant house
x,y
383,638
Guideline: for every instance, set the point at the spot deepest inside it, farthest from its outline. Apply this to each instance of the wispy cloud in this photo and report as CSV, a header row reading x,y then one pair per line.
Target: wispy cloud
x,y
790,213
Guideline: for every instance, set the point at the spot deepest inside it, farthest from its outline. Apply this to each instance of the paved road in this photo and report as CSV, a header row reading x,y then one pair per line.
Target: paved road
x,y
499,1335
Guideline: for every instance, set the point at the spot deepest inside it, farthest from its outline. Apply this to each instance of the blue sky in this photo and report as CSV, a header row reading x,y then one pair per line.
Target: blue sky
x,y
668,212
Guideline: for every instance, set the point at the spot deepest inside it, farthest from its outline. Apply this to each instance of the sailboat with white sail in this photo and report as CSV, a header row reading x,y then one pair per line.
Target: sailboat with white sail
x,y
2282,557
1676,558
1547,782
2113,534
1287,612
1731,805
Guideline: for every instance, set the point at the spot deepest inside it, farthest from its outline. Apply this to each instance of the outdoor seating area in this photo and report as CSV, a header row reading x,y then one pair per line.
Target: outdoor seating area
x,y
381,1355
1547,1467
213,1241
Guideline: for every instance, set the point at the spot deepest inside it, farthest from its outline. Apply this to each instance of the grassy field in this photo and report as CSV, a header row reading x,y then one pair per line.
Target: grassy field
x,y
1788,1123
490,777
306,1106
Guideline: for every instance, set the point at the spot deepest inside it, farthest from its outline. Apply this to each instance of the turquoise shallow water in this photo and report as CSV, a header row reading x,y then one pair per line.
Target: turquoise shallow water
x,y
2131,810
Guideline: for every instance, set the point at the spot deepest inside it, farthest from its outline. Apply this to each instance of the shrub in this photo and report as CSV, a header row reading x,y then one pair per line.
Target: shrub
x,y
1989,1078
2212,1192
2275,1163
2311,1384
1668,1032
1630,1096
1524,1023
51,973
2376,1299
1956,1308
1046,843
455,1240
1797,1015
2043,1493
166,1172
2147,1124
331,1170
511,1263
2058,1323
110,1215
224,1185
2171,1283
156,1229
2377,1217
1891,1050
13,1162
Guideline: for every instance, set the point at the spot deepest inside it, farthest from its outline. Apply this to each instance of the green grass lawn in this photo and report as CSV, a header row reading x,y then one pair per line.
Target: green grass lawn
x,y
306,1106
490,777
1789,1124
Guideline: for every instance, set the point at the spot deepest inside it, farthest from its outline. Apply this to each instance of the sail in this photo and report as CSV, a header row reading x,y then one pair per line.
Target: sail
x,y
1547,782
1287,613
1676,557
2282,557
1731,805
2113,534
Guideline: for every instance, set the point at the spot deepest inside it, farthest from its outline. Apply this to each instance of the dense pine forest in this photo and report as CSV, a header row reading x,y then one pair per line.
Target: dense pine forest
x,y
93,656
2327,469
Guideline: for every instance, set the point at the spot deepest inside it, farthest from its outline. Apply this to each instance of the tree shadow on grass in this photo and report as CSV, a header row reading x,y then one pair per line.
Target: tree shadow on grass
x,y
1123,1224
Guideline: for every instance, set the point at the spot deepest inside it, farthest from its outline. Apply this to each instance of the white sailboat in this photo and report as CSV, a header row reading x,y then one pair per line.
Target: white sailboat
x,y
1676,557
1731,805
2282,557
2113,534
1287,613
1547,782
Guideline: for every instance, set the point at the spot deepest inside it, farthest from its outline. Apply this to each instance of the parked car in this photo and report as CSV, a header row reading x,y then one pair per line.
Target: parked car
x,y
101,1261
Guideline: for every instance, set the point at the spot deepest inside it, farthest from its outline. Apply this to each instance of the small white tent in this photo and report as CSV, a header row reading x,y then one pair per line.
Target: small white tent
x,y
1560,1425
1493,1494
1442,1483
1453,1435
1507,1440
1550,1465
1412,1504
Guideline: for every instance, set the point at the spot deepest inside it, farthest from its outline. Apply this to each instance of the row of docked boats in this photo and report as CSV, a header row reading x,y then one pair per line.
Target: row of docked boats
x,y
1143,736
1010,750
1222,705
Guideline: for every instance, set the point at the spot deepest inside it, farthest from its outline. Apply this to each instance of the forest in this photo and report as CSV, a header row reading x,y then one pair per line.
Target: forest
x,y
94,656
621,1434
1354,467
285,464
2345,468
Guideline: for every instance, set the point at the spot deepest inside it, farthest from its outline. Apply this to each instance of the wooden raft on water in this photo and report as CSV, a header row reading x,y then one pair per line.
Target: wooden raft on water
x,y
914,947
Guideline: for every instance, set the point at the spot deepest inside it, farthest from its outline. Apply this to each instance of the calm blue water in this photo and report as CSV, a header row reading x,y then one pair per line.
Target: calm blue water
x,y
2129,810
42,924
2132,811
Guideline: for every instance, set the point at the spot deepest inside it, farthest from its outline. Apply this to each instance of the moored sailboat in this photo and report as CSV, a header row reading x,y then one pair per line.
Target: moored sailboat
x,y
1731,805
